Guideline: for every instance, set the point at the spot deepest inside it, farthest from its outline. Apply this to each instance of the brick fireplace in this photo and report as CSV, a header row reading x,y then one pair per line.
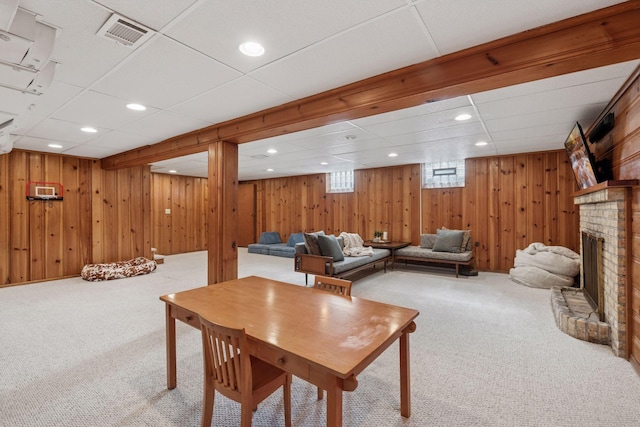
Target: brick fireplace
x,y
605,214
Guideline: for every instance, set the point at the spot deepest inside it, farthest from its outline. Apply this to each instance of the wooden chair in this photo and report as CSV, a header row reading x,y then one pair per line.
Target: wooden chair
x,y
230,369
336,286
331,284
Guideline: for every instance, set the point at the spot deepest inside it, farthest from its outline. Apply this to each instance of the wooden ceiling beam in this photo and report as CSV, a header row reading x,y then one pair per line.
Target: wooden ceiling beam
x,y
603,37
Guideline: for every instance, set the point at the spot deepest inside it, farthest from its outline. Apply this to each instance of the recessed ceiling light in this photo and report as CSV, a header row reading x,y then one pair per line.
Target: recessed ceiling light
x,y
481,143
136,107
269,170
251,49
173,171
272,151
55,145
463,117
393,154
88,129
324,163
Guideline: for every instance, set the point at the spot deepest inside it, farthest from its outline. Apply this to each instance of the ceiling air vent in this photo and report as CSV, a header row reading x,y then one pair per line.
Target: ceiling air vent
x,y
125,31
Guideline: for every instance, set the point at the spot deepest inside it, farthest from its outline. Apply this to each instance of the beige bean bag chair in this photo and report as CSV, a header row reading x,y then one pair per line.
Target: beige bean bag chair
x,y
118,270
542,266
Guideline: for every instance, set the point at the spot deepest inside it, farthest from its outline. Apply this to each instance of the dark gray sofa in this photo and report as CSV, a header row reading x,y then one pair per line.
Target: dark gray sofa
x,y
271,244
326,266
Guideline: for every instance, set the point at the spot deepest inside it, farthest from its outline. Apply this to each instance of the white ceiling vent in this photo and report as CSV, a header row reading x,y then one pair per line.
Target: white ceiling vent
x,y
125,31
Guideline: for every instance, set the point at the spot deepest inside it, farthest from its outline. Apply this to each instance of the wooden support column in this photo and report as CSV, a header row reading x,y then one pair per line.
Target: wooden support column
x,y
222,215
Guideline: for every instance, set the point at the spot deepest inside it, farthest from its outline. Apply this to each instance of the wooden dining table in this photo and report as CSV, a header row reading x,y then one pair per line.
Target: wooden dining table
x,y
323,338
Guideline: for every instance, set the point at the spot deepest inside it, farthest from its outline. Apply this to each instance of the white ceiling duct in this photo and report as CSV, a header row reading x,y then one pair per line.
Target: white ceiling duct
x,y
8,10
125,31
42,48
15,43
43,79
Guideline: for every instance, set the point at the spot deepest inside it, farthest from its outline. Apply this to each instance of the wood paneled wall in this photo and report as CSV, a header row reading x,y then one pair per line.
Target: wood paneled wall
x,y
621,147
508,202
121,213
103,217
384,199
185,228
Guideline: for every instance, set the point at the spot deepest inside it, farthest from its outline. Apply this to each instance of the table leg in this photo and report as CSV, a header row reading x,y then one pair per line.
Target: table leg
x,y
171,349
405,376
334,402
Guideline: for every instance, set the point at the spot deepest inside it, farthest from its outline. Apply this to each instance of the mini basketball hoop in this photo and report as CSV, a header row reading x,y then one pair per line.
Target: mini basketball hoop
x,y
46,191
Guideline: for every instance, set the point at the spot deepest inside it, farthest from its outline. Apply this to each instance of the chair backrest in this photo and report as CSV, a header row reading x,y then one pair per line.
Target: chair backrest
x,y
226,357
331,284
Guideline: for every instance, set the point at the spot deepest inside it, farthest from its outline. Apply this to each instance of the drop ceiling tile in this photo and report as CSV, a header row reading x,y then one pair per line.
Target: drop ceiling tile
x,y
164,125
55,97
464,23
473,129
427,122
282,26
350,56
229,101
420,110
618,72
60,130
120,141
41,144
91,151
101,110
163,73
592,93
585,114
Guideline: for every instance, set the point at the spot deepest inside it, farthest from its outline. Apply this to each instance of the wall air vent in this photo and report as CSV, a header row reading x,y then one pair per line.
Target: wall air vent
x,y
125,31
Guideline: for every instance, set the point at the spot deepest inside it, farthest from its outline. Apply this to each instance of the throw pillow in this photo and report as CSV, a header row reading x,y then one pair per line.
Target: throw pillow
x,y
465,245
427,241
311,242
295,238
269,237
329,246
448,241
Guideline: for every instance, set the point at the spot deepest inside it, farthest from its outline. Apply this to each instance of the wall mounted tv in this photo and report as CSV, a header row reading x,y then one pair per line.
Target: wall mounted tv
x,y
582,161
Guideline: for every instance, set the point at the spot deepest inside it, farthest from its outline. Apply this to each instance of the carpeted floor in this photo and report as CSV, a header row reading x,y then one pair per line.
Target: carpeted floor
x,y
486,353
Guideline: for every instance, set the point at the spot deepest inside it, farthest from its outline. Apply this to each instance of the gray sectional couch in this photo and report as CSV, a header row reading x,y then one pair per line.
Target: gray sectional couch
x,y
271,244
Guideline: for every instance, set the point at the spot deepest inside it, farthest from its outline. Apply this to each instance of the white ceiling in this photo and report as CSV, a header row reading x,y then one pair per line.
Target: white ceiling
x,y
191,75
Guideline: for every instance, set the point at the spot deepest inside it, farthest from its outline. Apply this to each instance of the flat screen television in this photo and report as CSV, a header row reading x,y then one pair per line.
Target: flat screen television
x,y
581,159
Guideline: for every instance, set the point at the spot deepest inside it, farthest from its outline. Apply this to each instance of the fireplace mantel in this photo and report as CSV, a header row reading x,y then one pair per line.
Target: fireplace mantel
x,y
607,184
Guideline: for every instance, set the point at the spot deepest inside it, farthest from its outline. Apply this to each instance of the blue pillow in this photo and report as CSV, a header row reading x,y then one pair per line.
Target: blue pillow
x,y
269,237
329,246
295,238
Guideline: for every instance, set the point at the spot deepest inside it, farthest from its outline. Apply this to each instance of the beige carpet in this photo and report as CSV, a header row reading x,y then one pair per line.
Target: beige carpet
x,y
486,353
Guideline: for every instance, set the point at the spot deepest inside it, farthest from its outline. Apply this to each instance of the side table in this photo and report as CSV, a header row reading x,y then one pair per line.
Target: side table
x,y
392,246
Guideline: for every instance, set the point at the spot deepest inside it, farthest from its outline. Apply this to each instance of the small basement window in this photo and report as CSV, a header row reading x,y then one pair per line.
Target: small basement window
x,y
340,182
443,174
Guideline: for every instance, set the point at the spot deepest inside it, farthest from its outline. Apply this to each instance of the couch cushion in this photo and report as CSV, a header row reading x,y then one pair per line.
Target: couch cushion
x,y
311,242
329,246
295,238
351,262
428,254
269,237
282,249
427,241
258,248
448,241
